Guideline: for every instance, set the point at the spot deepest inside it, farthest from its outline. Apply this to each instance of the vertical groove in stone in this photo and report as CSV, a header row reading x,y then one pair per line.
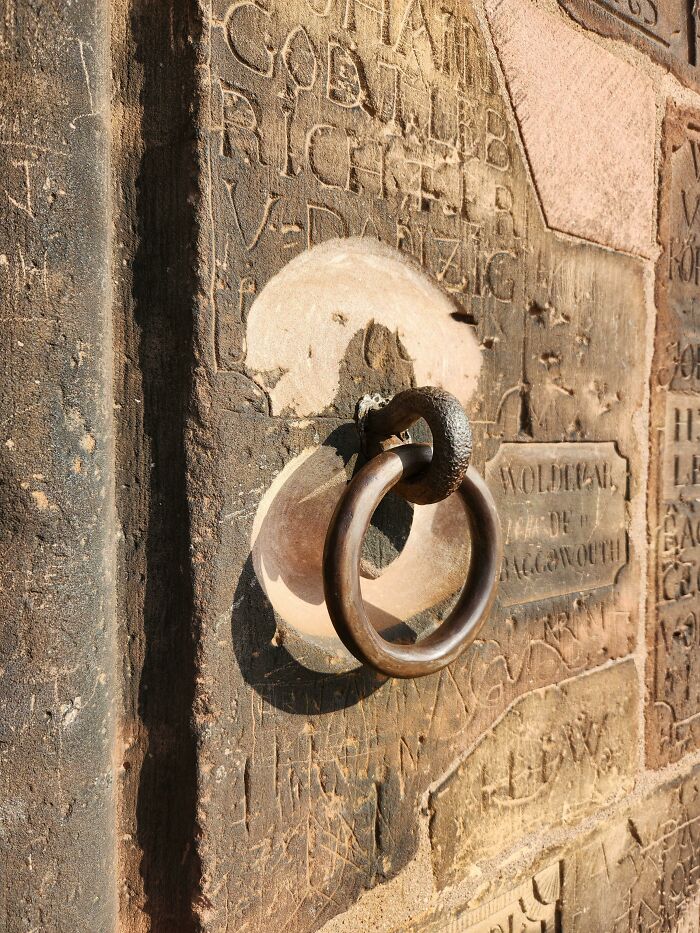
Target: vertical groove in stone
x,y
57,706
154,174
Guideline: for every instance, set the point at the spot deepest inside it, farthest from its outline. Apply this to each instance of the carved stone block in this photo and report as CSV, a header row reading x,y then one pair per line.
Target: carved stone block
x,y
638,870
380,121
673,677
554,758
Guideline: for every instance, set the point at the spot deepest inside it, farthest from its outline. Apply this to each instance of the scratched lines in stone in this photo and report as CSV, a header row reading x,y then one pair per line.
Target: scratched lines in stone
x,y
674,676
553,759
298,157
638,870
30,190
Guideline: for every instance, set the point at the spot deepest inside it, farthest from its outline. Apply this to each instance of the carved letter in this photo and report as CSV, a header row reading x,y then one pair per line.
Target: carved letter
x,y
238,32
502,286
336,143
241,126
497,152
381,11
346,85
270,202
314,216
375,156
393,114
299,57
414,26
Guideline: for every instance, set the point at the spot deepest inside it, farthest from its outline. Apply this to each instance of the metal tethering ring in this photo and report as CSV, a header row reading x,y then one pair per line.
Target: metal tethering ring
x,y
379,419
343,550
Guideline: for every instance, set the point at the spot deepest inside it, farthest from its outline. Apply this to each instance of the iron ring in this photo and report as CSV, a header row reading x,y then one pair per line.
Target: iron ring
x,y
341,568
451,445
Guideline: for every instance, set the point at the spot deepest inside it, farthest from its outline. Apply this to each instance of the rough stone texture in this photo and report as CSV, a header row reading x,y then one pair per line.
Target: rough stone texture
x,y
531,907
555,757
57,706
639,869
330,120
667,30
510,790
673,674
590,141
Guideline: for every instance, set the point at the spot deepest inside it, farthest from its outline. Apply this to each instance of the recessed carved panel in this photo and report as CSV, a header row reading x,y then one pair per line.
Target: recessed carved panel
x,y
564,518
674,502
553,759
639,870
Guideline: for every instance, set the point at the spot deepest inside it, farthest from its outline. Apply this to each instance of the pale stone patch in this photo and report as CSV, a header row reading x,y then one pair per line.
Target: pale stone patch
x,y
432,565
300,325
588,124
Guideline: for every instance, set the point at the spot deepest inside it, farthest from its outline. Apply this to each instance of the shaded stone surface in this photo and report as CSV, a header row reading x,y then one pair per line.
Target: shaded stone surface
x,y
253,792
57,659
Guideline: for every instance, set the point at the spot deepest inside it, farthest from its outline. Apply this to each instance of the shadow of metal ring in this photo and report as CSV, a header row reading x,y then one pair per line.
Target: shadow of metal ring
x,y
341,568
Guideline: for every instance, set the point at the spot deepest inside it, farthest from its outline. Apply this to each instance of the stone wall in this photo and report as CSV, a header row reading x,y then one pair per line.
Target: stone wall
x,y
283,205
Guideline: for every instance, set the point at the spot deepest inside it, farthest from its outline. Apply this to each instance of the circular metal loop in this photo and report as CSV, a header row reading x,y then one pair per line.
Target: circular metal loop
x,y
452,439
341,568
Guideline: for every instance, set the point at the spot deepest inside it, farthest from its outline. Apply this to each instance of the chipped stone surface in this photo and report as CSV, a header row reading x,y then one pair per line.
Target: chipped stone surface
x,y
588,121
300,325
554,758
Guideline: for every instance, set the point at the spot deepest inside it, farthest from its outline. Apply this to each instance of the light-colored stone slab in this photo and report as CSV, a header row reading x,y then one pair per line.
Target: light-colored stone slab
x,y
588,124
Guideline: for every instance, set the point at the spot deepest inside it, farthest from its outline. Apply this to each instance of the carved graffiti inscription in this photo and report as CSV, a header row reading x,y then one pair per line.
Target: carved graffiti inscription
x,y
681,468
674,673
667,30
379,121
638,871
552,759
563,508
